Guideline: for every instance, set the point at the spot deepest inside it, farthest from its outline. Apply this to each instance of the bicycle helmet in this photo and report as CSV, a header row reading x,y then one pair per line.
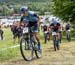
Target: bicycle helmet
x,y
23,9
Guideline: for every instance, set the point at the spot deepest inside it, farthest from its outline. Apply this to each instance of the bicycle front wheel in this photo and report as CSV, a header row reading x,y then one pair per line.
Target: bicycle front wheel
x,y
38,52
26,50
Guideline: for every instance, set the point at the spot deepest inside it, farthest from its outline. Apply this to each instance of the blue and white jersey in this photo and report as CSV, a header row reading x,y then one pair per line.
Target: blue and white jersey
x,y
32,17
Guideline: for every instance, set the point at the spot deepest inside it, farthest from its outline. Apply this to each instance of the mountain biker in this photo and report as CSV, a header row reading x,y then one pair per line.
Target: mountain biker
x,y
67,29
33,20
68,26
45,31
55,27
45,28
60,29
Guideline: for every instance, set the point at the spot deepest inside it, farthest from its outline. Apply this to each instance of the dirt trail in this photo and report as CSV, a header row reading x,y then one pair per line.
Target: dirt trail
x,y
65,56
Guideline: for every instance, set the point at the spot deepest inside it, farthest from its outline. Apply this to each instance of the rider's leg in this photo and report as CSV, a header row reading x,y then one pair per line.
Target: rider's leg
x,y
54,42
58,41
38,39
36,33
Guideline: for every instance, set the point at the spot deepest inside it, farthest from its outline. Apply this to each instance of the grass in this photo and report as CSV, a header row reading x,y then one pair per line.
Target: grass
x,y
8,54
15,52
8,39
7,42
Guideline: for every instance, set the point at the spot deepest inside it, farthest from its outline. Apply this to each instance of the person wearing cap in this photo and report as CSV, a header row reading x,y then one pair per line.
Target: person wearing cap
x,y
33,20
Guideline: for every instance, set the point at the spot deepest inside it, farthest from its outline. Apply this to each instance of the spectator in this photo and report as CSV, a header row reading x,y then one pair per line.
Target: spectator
x,y
1,33
16,30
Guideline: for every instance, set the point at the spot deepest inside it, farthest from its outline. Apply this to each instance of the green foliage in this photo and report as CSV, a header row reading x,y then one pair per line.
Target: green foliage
x,y
36,5
22,1
64,9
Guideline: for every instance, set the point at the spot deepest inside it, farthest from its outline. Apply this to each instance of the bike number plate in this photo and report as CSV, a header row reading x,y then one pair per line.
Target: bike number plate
x,y
46,32
25,30
54,33
69,30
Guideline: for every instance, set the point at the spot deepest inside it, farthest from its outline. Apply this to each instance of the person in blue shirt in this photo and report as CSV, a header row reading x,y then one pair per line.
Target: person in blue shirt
x,y
33,20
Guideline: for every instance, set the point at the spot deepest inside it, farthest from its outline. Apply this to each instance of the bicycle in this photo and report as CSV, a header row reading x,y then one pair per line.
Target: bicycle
x,y
46,36
28,45
55,41
68,35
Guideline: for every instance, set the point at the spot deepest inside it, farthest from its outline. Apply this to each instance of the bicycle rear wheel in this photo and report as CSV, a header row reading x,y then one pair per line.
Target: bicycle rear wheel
x,y
26,50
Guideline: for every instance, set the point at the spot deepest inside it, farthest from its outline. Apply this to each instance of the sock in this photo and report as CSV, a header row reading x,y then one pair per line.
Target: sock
x,y
39,45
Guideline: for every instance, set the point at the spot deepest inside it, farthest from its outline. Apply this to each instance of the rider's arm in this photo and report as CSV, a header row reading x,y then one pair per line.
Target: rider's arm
x,y
21,22
47,28
51,26
59,26
37,18
39,21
